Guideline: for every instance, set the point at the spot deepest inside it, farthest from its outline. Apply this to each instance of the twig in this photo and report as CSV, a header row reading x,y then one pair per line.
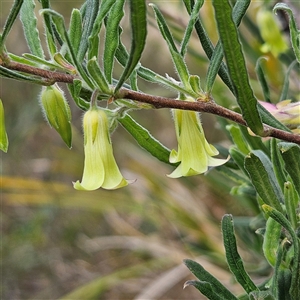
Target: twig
x,y
157,101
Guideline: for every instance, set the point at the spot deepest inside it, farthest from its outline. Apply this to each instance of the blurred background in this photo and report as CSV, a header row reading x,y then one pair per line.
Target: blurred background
x,y
58,243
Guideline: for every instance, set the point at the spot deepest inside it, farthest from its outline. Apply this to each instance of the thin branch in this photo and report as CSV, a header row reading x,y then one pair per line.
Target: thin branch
x,y
157,101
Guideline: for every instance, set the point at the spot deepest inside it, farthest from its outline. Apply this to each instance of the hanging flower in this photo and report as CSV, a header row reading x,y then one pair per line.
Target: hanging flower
x,y
100,168
194,152
287,112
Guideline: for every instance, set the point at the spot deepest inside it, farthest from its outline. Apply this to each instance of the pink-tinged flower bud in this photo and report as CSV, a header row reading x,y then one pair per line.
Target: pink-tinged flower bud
x,y
3,134
57,112
100,167
194,152
287,112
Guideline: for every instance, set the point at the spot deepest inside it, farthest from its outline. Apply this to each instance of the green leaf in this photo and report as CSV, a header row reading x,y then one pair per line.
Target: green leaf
x,y
268,119
75,30
208,47
205,288
60,26
145,139
260,170
205,276
291,155
278,164
28,19
294,32
112,37
20,77
50,34
3,134
238,12
284,284
138,21
177,58
237,66
271,241
234,260
97,75
105,7
10,21
239,158
92,7
75,89
291,202
238,138
282,220
194,16
262,79
286,84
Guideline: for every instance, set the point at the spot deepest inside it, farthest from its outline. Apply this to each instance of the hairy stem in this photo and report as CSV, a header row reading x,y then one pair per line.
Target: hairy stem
x,y
156,101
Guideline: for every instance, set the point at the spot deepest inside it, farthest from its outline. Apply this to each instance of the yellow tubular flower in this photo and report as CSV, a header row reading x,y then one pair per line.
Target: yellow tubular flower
x,y
194,152
100,168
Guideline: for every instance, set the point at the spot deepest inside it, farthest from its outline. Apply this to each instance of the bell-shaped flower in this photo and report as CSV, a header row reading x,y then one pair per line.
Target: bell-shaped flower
x,y
194,152
100,168
287,112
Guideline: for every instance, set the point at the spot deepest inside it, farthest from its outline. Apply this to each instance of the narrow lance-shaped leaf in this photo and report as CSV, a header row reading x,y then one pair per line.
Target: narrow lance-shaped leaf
x,y
10,21
261,172
92,7
205,288
294,32
138,21
50,35
145,139
286,84
291,202
262,79
238,12
177,58
234,260
112,37
188,31
3,134
237,66
60,25
29,22
75,30
271,241
98,76
205,276
282,220
208,46
291,155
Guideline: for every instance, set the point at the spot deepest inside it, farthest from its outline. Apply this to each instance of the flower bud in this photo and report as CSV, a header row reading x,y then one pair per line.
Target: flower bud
x,y
57,112
3,134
